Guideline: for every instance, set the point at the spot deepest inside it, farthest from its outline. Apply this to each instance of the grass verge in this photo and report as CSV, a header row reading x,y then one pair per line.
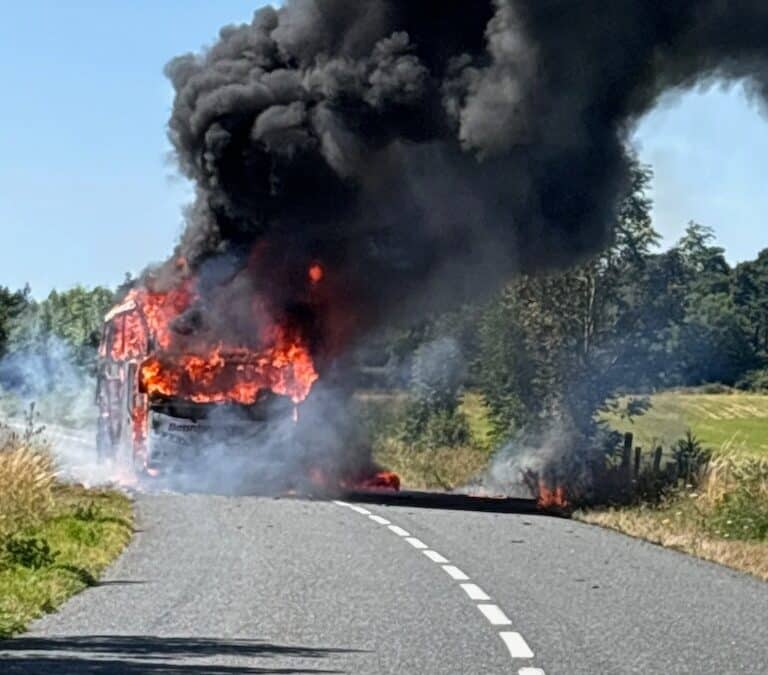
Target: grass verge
x,y
55,539
43,565
725,520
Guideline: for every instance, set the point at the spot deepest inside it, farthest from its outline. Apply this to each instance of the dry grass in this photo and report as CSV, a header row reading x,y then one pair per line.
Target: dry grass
x,y
441,468
724,521
664,527
27,476
730,472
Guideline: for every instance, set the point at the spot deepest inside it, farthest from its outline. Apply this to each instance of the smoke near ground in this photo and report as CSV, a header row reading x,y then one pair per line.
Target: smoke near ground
x,y
426,151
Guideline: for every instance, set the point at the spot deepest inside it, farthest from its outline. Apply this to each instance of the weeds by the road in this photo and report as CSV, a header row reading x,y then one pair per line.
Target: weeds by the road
x,y
724,519
54,539
441,468
432,468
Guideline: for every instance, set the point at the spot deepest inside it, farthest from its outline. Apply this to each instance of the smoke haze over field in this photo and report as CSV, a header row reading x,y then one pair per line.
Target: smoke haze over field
x,y
428,150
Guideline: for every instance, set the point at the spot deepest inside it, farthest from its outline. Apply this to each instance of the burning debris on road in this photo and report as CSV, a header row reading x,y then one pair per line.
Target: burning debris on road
x,y
358,162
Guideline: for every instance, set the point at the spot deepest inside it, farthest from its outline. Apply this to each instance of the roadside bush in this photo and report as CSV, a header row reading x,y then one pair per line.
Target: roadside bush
x,y
691,457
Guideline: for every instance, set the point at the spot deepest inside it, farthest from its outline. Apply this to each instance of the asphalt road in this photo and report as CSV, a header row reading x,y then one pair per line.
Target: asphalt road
x,y
259,585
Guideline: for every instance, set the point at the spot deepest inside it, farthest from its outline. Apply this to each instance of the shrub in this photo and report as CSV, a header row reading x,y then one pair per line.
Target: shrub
x,y
691,457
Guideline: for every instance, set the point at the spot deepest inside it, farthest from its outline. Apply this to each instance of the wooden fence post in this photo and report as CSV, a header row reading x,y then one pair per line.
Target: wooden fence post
x,y
657,461
626,452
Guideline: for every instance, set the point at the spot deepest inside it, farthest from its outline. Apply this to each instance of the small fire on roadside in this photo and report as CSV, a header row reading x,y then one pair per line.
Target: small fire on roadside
x,y
549,494
374,479
552,497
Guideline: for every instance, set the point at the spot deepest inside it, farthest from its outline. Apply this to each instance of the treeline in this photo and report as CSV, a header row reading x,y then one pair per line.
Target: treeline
x,y
552,350
41,339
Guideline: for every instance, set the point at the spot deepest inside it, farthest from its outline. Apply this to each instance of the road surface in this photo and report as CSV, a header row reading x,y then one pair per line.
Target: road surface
x,y
260,585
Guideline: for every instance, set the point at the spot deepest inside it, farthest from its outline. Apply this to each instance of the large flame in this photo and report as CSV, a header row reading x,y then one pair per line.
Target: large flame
x,y
175,366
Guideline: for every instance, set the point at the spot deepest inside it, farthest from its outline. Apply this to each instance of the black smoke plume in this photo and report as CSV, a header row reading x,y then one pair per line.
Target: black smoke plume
x,y
425,150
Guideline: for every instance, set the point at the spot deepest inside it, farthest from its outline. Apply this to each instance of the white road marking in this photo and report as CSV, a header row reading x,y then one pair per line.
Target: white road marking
x,y
515,643
399,531
518,648
455,573
434,556
494,614
379,520
475,592
360,510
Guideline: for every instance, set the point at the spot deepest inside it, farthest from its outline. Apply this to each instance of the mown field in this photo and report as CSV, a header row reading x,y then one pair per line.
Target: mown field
x,y
727,423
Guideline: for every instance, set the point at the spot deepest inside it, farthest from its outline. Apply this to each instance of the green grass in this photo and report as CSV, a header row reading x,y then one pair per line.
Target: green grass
x,y
383,415
731,422
43,565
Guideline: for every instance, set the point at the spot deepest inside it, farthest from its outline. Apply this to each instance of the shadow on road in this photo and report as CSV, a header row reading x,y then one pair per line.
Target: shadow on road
x,y
149,655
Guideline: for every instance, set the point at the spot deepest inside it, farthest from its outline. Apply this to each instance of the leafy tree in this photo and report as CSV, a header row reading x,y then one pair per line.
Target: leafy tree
x,y
12,305
750,295
714,342
556,347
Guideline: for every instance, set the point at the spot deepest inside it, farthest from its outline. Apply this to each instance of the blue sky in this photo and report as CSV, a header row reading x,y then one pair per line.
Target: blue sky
x,y
87,191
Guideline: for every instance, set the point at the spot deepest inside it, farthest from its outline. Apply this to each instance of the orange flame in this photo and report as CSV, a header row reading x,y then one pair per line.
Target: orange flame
x,y
316,273
215,373
552,497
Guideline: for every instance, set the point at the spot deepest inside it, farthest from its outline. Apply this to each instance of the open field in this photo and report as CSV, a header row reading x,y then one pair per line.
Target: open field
x,y
730,422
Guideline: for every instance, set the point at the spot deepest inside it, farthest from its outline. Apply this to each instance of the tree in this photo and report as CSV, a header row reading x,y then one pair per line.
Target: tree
x,y
12,305
556,347
750,295
714,338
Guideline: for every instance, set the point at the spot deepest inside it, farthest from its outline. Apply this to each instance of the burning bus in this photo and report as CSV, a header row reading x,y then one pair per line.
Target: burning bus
x,y
165,377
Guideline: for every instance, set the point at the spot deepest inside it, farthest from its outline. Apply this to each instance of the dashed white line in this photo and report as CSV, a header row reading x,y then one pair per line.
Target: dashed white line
x,y
455,573
518,647
399,531
360,510
475,592
494,614
379,520
434,556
